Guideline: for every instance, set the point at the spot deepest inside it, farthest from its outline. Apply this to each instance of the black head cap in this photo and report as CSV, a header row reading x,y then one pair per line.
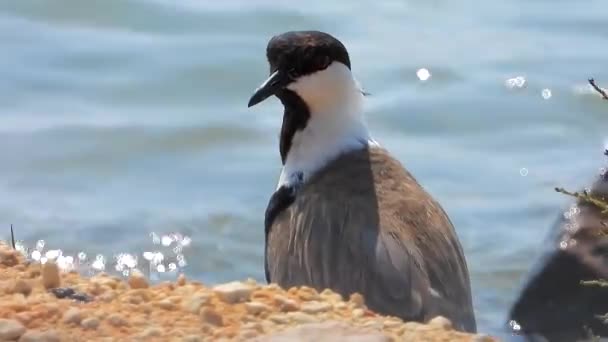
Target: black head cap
x,y
304,52
298,53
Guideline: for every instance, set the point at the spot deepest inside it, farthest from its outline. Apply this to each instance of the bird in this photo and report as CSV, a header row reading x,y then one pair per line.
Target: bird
x,y
346,215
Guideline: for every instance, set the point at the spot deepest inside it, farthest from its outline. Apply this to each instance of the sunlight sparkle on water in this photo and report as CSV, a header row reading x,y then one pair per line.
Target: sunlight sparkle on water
x,y
514,325
165,257
423,74
515,82
166,240
546,93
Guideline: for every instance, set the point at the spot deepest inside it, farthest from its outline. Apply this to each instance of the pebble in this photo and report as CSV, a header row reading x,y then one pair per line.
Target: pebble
x,y
300,317
166,304
23,287
73,315
315,307
194,304
151,332
285,304
192,338
116,320
50,275
90,323
40,336
358,313
246,334
278,318
9,257
234,292
441,322
392,323
137,281
357,300
208,315
181,280
253,326
10,329
255,308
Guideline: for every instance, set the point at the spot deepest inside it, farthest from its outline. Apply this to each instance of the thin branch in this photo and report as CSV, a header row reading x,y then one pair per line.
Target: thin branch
x,y
586,198
599,283
598,89
13,237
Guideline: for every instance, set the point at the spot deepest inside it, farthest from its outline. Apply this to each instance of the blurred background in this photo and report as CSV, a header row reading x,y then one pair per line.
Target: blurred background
x,y
125,138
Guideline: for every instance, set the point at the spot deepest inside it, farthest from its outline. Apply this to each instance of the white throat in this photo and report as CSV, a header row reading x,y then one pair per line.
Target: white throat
x,y
336,123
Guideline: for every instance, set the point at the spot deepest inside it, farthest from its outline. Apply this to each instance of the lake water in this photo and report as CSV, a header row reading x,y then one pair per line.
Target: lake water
x,y
124,125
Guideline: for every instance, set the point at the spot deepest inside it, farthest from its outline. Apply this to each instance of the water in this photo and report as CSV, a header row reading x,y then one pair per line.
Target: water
x,y
123,118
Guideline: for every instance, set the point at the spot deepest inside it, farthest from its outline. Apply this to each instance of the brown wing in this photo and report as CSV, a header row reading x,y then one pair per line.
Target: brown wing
x,y
348,233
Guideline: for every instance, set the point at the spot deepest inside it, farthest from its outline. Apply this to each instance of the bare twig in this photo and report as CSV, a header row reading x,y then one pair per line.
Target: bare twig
x,y
13,237
600,283
586,198
598,89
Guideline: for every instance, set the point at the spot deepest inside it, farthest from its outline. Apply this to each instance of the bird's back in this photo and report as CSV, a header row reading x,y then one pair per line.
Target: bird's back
x,y
363,224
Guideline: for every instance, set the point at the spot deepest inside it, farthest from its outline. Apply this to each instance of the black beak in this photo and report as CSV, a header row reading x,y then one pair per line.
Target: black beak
x,y
274,83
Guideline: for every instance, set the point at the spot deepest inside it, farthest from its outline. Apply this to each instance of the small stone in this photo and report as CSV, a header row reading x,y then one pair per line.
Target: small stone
x,y
196,302
358,300
392,323
108,296
151,332
300,317
255,308
234,292
50,275
340,306
279,319
181,280
10,329
315,307
40,336
24,317
246,334
73,315
116,320
253,326
192,338
410,326
23,287
358,313
9,257
285,304
52,308
441,322
166,304
210,316
90,323
137,281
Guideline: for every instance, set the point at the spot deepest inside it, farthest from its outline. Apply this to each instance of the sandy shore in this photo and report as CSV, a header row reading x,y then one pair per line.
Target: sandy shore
x,y
40,303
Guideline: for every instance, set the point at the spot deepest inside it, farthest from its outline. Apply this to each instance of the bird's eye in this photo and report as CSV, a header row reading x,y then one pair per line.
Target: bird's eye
x,y
323,62
292,74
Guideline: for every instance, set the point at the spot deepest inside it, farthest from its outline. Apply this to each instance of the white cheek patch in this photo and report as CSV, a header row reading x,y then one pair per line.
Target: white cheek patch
x,y
336,123
325,89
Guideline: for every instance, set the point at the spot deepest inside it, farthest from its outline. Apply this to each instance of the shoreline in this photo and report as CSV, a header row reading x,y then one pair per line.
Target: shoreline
x,y
42,303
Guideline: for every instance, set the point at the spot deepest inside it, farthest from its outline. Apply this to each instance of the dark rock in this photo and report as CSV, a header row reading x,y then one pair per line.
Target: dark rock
x,y
69,293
